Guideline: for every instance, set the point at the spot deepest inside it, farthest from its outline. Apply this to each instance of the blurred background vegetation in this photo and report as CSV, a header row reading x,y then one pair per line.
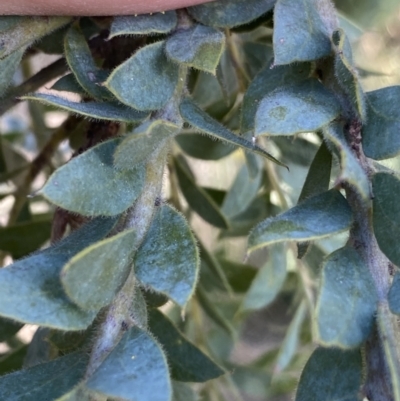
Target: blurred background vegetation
x,y
374,29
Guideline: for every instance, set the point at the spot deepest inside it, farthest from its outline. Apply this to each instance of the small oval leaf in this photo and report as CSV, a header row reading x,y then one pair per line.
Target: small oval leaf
x,y
147,80
303,221
168,259
90,185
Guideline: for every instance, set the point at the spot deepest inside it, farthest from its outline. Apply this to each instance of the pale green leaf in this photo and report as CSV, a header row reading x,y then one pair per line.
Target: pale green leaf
x,y
92,278
135,370
8,66
347,74
44,382
111,111
268,281
347,300
138,146
266,81
198,199
300,31
290,343
351,170
31,287
183,392
386,214
380,137
147,80
82,64
168,260
187,363
78,393
17,34
242,192
200,120
331,374
317,217
145,24
227,13
199,46
303,107
394,295
90,185
8,328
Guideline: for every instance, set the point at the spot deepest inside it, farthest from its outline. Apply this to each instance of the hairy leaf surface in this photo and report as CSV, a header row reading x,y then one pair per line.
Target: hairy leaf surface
x,y
199,46
380,132
303,107
394,295
111,111
347,300
146,24
168,260
227,14
8,66
317,217
89,184
341,378
32,291
147,80
136,370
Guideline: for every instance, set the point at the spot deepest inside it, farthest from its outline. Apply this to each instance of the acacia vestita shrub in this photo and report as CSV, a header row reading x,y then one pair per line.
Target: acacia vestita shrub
x,y
272,82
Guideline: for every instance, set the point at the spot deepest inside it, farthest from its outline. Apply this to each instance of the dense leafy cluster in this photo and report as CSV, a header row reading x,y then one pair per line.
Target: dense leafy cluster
x,y
151,93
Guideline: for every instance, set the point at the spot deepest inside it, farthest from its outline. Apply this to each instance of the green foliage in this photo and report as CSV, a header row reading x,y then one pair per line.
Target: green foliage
x,y
212,191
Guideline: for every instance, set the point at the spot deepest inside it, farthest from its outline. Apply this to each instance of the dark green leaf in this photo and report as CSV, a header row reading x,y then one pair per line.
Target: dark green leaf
x,y
90,185
23,238
168,260
68,83
153,299
44,382
20,33
266,81
31,288
331,374
380,132
13,360
300,31
347,74
197,198
138,146
317,181
8,328
199,46
83,66
242,192
303,107
256,56
200,120
227,13
268,281
111,111
347,300
296,150
240,276
151,76
138,310
146,24
8,66
317,217
394,295
136,370
186,361
203,147
351,170
386,214
92,278
291,341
